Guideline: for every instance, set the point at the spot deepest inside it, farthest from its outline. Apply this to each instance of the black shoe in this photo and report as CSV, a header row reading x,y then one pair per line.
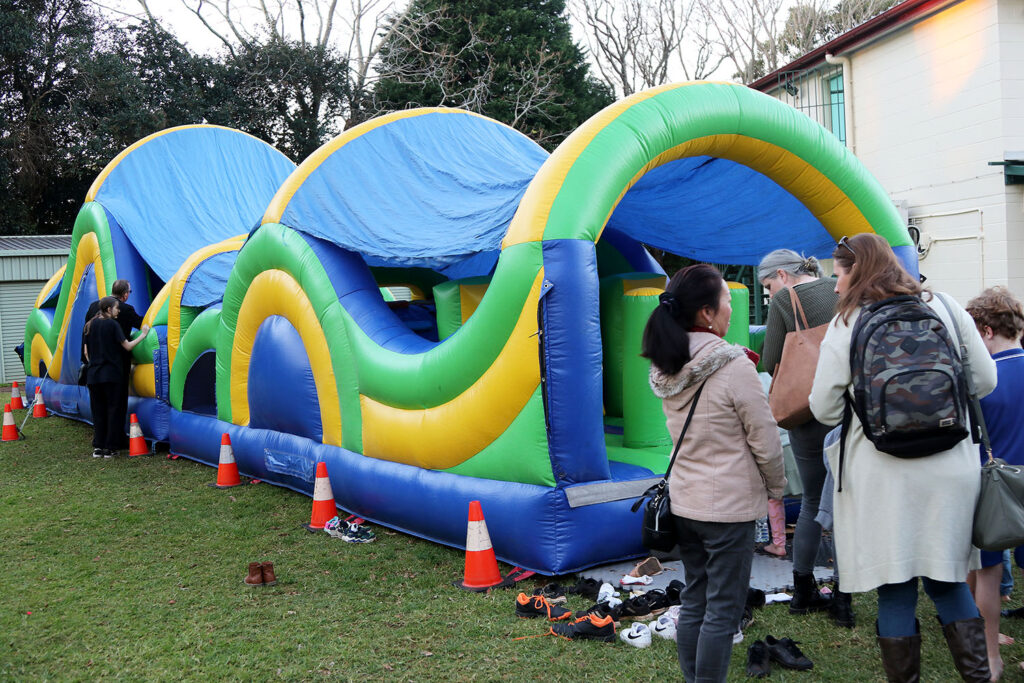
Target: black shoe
x,y
1013,613
587,627
602,610
588,588
658,601
674,591
553,592
530,606
758,662
841,610
748,618
637,607
785,652
806,597
755,598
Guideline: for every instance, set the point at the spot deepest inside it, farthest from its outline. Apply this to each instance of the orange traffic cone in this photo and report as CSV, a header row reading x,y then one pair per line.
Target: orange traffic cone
x,y
481,564
323,500
10,432
38,407
227,468
16,402
136,443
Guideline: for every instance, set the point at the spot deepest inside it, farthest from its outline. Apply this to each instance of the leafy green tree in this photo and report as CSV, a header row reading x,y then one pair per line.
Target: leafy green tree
x,y
513,61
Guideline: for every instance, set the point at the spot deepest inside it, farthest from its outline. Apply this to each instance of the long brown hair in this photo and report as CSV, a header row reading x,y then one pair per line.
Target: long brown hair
x,y
878,274
106,304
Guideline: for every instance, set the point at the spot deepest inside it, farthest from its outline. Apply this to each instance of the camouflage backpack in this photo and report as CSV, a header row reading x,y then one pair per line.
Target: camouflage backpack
x,y
909,388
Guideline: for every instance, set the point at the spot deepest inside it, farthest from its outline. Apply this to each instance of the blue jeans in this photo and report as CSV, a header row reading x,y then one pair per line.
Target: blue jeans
x,y
897,605
716,558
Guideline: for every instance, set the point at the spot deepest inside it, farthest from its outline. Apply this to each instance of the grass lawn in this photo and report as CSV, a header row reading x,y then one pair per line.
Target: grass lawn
x,y
133,569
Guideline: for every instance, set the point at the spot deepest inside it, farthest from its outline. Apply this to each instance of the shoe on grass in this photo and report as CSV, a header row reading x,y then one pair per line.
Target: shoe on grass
x,y
674,591
638,635
553,592
785,653
636,607
334,527
758,662
606,593
588,588
357,533
664,627
532,606
601,610
107,453
587,627
97,452
658,601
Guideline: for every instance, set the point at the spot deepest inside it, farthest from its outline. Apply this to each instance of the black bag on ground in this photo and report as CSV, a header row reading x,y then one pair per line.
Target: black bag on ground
x,y
658,532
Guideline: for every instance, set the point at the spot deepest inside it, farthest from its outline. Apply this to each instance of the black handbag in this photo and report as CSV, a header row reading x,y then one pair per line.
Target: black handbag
x,y
83,371
658,532
999,513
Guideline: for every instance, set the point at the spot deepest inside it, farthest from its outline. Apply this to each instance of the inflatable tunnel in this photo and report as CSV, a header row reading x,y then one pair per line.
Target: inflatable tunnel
x,y
506,368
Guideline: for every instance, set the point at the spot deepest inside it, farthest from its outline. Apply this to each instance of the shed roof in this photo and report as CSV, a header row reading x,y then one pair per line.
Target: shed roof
x,y
35,245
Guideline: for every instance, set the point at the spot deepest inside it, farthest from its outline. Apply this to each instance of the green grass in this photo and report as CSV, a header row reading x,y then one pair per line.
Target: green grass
x,y
133,569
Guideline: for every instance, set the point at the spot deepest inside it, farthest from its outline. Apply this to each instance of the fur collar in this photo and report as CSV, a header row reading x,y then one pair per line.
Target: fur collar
x,y
697,370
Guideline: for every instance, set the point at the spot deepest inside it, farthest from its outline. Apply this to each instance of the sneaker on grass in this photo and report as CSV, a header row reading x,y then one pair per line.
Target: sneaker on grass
x,y
664,627
587,627
638,635
97,452
334,527
532,606
554,593
357,533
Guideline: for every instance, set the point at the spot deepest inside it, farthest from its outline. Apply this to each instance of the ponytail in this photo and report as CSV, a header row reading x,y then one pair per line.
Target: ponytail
x,y
666,341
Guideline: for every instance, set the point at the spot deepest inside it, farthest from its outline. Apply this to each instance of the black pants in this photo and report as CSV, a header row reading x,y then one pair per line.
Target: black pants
x,y
103,398
121,407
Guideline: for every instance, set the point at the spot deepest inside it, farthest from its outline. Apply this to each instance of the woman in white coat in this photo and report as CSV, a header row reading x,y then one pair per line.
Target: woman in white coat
x,y
897,519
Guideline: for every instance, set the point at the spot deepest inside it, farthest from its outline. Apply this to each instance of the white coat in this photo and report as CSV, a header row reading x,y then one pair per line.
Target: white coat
x,y
897,518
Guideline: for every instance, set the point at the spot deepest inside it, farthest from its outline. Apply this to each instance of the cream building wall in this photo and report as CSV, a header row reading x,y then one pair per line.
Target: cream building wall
x,y
932,104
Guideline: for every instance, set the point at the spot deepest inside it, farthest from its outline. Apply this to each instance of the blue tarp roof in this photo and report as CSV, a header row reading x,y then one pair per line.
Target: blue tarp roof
x,y
434,189
191,187
427,191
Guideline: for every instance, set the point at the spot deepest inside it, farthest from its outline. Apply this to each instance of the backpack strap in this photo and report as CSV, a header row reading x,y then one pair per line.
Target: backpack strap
x,y
798,309
979,432
847,416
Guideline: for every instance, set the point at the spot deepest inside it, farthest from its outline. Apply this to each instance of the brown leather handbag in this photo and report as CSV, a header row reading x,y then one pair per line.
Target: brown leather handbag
x,y
789,394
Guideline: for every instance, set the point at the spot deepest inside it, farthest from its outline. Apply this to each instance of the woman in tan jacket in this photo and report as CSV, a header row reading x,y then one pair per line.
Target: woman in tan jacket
x,y
730,460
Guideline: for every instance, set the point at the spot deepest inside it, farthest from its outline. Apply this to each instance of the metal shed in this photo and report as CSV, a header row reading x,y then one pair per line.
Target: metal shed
x,y
26,263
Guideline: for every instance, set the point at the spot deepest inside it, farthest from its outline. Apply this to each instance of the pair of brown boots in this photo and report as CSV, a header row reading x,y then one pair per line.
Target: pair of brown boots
x,y
261,574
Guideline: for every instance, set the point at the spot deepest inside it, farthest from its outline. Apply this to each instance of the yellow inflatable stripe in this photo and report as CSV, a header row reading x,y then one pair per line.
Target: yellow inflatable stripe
x,y
531,217
88,252
50,285
469,298
275,292
292,184
96,184
144,380
177,288
837,213
654,282
39,352
158,303
451,433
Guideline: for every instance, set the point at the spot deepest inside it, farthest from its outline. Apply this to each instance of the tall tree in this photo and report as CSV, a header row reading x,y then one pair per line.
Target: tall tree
x,y
513,61
638,44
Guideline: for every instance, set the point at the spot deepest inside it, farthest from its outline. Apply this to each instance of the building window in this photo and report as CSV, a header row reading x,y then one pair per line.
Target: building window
x,y
837,107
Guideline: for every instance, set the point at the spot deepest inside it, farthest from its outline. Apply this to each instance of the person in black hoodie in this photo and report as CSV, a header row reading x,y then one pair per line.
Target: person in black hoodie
x,y
104,349
128,319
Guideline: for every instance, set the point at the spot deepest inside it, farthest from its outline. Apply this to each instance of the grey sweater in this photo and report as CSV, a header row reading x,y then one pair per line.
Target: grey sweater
x,y
818,299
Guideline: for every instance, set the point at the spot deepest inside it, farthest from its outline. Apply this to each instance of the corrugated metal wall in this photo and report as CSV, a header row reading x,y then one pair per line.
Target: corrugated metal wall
x,y
17,268
16,300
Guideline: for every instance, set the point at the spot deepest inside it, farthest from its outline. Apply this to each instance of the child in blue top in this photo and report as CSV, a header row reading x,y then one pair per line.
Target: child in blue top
x,y
1000,320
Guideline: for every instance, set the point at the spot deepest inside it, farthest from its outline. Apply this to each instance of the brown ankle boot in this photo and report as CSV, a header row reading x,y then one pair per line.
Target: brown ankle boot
x,y
268,574
255,577
966,641
901,658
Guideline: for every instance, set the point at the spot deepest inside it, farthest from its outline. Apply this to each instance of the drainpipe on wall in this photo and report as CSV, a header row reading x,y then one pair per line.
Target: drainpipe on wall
x,y
847,97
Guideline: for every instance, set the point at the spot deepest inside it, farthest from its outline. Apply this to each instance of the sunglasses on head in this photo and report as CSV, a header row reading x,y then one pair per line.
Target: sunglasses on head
x,y
844,242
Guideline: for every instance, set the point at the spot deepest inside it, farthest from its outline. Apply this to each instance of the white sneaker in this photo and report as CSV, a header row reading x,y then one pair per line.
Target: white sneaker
x,y
638,635
664,627
737,638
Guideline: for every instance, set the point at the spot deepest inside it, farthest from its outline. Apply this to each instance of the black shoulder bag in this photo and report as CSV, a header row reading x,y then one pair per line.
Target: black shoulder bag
x,y
658,532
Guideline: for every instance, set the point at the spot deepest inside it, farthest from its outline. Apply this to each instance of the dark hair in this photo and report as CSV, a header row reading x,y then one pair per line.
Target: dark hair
x,y
120,288
666,340
878,274
106,303
999,309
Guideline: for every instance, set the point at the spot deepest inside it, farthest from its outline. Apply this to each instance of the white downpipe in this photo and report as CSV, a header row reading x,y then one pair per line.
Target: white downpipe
x,y
851,140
